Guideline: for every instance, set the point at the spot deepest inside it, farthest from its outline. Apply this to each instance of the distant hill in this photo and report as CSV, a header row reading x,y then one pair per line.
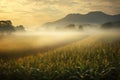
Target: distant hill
x,y
112,25
96,17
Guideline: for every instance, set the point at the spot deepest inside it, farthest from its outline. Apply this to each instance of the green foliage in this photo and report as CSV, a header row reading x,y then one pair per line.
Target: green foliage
x,y
97,59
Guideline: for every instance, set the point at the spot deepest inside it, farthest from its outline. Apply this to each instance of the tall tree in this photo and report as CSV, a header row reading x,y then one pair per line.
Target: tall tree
x,y
6,26
70,26
20,28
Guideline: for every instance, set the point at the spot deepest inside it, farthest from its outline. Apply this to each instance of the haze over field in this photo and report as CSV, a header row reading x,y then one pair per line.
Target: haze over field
x,y
45,22
36,40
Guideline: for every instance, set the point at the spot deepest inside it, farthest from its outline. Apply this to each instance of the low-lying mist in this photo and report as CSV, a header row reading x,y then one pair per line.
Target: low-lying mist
x,y
22,43
26,42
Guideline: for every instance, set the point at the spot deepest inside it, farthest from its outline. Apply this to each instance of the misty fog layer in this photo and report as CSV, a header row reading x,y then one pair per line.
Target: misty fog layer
x,y
27,43
28,40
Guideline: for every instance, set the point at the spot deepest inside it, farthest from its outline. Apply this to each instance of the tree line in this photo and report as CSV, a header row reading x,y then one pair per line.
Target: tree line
x,y
6,26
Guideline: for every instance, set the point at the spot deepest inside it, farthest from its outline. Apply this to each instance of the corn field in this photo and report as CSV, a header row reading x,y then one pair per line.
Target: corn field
x,y
93,58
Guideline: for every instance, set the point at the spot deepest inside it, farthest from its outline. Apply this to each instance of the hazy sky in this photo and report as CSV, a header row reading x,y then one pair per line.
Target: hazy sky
x,y
33,13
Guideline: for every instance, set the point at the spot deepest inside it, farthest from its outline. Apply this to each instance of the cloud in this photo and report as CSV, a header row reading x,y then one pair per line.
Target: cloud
x,y
41,11
55,2
108,6
58,6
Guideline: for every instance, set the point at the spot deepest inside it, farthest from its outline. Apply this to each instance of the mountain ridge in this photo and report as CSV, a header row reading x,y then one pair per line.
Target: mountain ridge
x,y
96,17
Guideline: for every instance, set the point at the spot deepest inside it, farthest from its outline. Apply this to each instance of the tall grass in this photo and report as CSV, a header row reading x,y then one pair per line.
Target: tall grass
x,y
94,58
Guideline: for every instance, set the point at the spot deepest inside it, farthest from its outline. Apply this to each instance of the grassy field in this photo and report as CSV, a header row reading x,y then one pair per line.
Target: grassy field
x,y
96,57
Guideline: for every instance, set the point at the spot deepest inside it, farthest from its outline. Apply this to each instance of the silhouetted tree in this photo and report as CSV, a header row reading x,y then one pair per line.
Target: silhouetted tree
x,y
110,25
70,26
80,27
6,27
20,28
